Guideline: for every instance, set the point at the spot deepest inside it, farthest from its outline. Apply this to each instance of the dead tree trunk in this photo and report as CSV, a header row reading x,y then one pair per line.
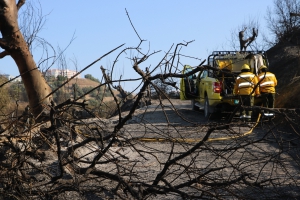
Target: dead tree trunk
x,y
244,43
13,43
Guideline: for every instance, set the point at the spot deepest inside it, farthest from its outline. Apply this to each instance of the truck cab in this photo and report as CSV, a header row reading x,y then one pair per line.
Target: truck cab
x,y
212,89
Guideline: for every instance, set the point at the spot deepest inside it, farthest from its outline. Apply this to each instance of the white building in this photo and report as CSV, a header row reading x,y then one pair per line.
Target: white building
x,y
10,77
65,72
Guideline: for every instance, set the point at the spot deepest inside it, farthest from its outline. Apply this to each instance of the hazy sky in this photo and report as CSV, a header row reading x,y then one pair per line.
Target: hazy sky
x,y
99,26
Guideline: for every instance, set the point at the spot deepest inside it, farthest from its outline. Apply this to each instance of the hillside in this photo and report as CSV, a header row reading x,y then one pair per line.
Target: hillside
x,y
87,83
284,62
83,82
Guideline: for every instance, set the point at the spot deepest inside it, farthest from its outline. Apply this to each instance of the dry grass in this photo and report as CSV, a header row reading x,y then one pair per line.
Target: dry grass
x,y
83,82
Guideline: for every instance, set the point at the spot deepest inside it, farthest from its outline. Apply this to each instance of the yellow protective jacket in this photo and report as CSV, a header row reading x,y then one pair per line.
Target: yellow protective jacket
x,y
267,82
245,83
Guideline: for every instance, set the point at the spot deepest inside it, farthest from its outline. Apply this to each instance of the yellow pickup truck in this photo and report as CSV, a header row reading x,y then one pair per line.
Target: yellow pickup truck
x,y
212,89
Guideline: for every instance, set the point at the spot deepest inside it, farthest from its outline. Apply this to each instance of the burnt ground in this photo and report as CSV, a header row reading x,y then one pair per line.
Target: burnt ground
x,y
242,161
271,150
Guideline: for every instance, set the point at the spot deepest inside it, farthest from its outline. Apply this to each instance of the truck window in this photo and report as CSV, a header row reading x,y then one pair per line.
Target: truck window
x,y
211,62
203,74
210,73
191,76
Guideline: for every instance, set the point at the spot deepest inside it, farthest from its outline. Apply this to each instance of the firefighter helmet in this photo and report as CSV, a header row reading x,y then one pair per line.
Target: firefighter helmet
x,y
262,67
245,66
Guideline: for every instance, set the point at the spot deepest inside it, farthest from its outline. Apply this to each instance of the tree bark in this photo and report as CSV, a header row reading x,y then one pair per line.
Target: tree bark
x,y
14,44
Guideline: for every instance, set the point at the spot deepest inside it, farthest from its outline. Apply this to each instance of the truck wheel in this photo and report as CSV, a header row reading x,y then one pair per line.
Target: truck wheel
x,y
194,107
206,108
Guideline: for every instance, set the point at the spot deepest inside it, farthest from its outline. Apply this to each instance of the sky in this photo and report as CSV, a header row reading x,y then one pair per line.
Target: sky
x,y
97,27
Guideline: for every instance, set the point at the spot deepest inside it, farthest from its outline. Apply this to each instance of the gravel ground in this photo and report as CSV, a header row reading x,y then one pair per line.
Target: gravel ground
x,y
265,159
268,156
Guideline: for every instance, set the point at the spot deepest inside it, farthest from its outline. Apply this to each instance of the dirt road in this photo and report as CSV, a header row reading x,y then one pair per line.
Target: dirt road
x,y
161,149
241,149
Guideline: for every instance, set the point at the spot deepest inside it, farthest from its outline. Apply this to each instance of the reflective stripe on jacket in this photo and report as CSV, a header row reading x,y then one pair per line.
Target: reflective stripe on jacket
x,y
245,83
267,82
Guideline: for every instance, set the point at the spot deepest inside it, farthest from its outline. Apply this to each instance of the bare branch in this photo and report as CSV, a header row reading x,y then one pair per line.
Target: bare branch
x,y
20,3
3,54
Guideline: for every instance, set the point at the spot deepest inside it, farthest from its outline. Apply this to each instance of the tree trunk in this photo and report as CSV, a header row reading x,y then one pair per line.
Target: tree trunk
x,y
13,43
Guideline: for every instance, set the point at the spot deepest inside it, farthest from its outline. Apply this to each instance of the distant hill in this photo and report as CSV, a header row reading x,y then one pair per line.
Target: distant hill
x,y
83,82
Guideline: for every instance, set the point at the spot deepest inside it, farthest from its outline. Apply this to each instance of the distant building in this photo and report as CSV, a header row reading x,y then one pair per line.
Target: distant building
x,y
10,77
65,72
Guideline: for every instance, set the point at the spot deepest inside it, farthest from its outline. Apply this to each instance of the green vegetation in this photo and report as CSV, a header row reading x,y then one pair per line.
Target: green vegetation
x,y
4,97
89,76
77,91
94,93
61,78
15,92
61,96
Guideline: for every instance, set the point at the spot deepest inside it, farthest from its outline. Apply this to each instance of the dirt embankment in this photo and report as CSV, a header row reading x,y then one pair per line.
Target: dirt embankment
x,y
284,61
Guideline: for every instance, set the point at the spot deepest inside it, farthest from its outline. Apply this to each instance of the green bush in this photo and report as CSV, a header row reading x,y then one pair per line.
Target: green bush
x,y
77,91
89,76
61,78
61,96
17,92
4,97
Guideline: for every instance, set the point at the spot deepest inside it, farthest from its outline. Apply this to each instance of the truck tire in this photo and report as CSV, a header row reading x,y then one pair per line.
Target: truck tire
x,y
206,108
194,107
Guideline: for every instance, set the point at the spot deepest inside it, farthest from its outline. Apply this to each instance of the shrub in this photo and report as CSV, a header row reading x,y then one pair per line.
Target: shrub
x,y
89,76
17,92
4,97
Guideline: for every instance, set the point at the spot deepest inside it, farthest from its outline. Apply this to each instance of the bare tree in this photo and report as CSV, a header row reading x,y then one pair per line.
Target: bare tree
x,y
159,89
247,35
244,43
283,24
14,45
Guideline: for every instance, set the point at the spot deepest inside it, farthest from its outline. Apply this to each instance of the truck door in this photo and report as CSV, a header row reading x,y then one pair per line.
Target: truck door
x,y
201,87
187,84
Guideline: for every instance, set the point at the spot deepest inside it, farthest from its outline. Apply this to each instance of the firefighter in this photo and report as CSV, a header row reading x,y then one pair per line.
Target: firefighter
x,y
245,83
267,83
